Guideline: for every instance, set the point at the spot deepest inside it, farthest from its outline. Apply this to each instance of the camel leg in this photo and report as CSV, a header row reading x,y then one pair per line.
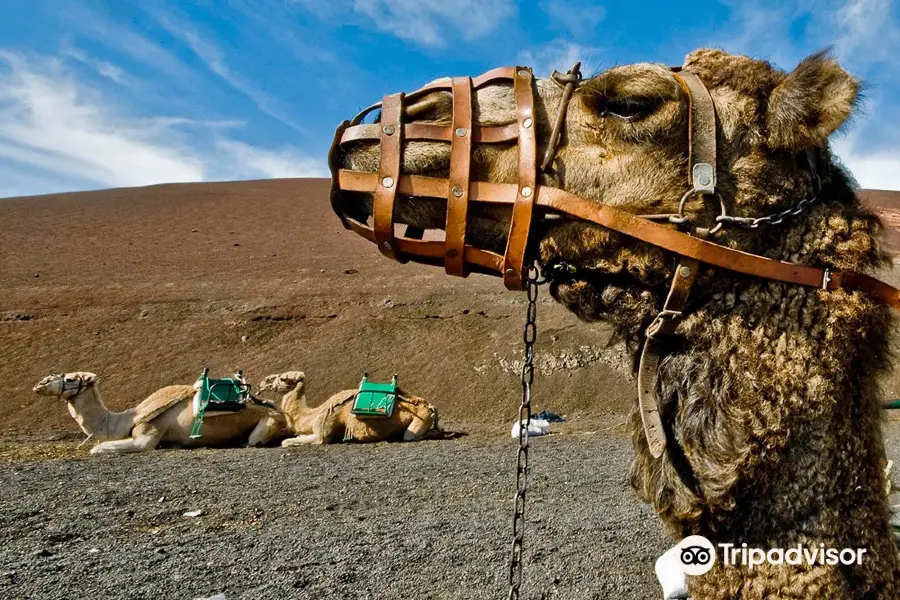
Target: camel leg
x,y
140,443
302,440
265,431
416,430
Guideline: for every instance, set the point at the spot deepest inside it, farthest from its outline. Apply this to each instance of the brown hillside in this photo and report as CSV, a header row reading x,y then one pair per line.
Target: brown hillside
x,y
146,286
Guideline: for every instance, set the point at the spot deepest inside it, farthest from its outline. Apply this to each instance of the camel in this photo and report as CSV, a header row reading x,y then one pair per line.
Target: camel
x,y
770,397
164,416
332,421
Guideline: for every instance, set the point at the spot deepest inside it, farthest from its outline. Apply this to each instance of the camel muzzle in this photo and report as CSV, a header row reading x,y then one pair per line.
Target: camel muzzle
x,y
530,202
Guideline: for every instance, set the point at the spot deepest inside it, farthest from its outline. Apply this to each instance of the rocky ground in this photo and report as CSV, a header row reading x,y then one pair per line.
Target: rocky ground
x,y
425,520
385,521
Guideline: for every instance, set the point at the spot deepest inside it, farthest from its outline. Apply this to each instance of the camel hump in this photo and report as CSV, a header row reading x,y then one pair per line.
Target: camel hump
x,y
162,400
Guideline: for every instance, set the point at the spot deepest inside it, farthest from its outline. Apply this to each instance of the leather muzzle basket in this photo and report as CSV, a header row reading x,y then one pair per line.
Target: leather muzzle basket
x,y
460,191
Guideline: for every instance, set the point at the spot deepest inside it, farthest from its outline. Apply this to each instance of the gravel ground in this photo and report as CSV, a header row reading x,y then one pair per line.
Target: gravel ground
x,y
423,520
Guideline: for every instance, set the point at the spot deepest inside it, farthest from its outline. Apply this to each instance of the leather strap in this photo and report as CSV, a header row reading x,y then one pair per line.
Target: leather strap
x,y
437,133
654,350
388,174
334,165
658,235
520,226
431,252
460,168
571,79
446,83
701,134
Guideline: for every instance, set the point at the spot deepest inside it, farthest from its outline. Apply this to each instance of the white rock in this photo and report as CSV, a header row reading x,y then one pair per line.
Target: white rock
x,y
536,428
193,513
671,577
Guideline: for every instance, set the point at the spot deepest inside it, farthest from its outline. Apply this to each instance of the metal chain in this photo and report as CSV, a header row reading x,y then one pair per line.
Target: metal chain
x,y
529,334
777,218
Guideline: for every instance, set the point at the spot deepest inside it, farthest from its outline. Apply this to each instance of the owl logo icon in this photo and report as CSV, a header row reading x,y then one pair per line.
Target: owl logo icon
x,y
696,554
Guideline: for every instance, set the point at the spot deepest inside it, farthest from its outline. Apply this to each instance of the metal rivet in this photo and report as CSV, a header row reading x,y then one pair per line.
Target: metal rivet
x,y
389,130
387,246
461,132
523,73
510,272
387,182
457,191
684,272
703,179
526,192
452,253
527,123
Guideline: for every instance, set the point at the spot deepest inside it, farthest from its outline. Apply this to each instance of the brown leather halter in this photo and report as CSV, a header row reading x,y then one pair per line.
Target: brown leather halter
x,y
460,191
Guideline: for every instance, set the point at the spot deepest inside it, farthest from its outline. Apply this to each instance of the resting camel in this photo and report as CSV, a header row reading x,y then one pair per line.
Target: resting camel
x,y
332,422
165,416
770,394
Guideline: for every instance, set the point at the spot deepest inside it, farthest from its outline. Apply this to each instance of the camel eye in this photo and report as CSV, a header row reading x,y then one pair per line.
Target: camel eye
x,y
630,109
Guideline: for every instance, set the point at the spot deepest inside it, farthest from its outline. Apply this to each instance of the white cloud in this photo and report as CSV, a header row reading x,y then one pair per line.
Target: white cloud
x,y
60,135
868,33
578,16
248,161
427,22
877,169
560,55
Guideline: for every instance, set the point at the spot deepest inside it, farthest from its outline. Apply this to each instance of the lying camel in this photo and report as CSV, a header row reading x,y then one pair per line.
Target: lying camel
x,y
165,416
332,422
769,393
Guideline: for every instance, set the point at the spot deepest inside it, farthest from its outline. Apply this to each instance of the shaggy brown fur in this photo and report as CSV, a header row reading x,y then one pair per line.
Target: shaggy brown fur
x,y
771,392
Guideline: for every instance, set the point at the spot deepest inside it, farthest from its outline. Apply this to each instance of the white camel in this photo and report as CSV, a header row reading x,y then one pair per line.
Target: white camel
x,y
165,416
332,421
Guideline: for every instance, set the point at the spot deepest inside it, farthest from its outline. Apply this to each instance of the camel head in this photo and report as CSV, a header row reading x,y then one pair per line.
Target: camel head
x,y
625,144
283,382
65,385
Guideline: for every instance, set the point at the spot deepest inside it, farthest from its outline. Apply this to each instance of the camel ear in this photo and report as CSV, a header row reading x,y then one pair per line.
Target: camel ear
x,y
810,104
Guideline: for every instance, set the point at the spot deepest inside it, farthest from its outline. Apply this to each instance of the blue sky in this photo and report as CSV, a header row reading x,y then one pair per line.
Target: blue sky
x,y
110,93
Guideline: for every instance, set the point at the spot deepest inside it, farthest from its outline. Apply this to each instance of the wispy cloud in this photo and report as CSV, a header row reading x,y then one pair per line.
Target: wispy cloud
x,y
102,67
580,17
215,61
868,33
428,22
64,135
120,39
560,55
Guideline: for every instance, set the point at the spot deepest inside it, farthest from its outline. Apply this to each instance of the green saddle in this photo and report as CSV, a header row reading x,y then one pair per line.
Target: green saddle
x,y
375,399
217,395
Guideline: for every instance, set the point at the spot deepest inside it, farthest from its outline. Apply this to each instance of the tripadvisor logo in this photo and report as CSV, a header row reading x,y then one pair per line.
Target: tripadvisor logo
x,y
697,555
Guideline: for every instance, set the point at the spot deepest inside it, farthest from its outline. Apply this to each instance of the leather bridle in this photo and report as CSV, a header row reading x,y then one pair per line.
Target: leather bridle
x,y
65,388
525,196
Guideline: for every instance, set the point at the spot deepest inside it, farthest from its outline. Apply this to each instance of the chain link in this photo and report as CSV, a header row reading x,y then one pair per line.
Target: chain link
x,y
529,335
777,218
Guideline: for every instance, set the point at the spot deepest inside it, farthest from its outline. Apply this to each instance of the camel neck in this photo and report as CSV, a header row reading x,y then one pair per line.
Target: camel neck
x,y
91,414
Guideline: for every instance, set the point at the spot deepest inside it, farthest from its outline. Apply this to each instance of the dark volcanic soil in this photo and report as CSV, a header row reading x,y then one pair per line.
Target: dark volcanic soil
x,y
429,520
